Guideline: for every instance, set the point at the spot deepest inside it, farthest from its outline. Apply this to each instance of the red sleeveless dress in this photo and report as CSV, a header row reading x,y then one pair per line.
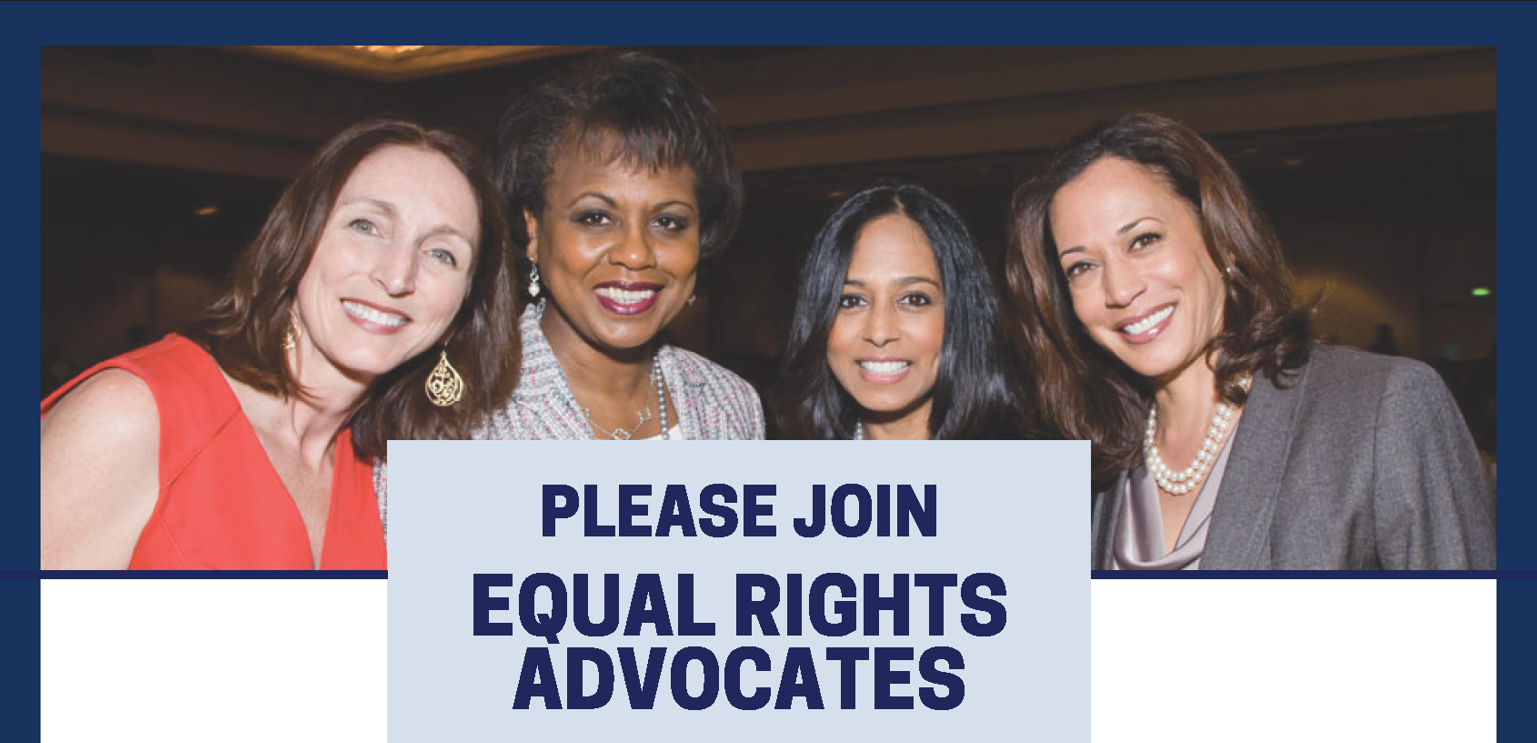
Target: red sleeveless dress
x,y
222,505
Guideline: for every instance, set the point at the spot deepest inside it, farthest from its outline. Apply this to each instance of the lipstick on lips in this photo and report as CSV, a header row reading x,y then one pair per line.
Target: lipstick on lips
x,y
1146,326
374,318
627,297
884,371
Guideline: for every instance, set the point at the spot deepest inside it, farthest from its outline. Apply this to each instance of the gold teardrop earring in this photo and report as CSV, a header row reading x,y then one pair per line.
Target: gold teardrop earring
x,y
444,385
291,335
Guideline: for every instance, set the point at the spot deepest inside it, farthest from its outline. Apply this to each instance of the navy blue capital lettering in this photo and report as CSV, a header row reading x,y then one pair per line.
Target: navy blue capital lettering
x,y
680,678
537,680
675,512
749,608
629,509
848,667
955,688
582,613
559,503
798,663
727,516
485,603
847,615
752,509
590,525
648,591
936,583
998,616
760,661
576,661
886,677
642,693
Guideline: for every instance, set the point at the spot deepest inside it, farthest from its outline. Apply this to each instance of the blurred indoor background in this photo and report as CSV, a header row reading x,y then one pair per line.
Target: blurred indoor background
x,y
1377,165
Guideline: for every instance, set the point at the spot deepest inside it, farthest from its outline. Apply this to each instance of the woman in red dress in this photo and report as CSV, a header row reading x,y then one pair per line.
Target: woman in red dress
x,y
375,304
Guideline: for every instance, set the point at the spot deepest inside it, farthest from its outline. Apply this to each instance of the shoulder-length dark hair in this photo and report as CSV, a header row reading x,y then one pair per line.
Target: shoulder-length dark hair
x,y
243,330
973,395
1083,391
658,117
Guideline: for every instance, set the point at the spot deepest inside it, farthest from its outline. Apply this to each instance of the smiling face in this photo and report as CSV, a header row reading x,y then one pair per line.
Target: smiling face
x,y
1142,281
886,340
617,249
392,265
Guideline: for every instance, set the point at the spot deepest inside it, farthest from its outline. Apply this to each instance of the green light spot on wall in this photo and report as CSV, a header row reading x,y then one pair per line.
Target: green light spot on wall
x,y
1481,291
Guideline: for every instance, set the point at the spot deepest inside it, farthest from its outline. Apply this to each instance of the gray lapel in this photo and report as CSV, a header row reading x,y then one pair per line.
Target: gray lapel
x,y
1106,514
1239,538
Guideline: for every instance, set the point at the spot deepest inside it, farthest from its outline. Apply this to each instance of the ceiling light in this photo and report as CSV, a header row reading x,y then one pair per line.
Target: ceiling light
x,y
388,50
1481,291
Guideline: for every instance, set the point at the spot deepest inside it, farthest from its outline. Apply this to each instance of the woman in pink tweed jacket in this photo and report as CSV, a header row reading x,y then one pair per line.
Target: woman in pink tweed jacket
x,y
618,180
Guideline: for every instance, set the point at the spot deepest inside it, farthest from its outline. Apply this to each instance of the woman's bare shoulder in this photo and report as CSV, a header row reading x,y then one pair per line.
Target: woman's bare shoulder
x,y
100,471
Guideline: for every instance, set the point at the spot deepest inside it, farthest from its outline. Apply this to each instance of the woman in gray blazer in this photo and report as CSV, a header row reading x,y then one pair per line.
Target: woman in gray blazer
x,y
1156,303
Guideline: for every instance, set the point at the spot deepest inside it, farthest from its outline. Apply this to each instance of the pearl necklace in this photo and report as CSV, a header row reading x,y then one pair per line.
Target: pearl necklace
x,y
644,414
661,391
859,430
1188,479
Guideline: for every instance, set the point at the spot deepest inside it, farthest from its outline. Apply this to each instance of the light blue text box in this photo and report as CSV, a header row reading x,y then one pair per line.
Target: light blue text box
x,y
1016,509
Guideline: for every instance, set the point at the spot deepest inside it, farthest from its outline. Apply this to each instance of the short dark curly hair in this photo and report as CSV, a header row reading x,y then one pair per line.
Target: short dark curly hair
x,y
658,116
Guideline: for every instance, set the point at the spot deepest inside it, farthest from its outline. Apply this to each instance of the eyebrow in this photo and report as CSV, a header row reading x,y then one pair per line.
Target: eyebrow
x,y
1127,227
444,229
1122,231
389,209
380,204
605,198
904,281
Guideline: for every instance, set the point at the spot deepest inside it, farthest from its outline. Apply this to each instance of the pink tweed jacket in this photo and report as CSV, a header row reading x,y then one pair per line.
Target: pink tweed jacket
x,y
711,402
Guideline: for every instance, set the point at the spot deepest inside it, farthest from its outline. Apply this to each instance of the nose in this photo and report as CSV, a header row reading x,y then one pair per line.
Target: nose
x,y
395,271
634,249
1122,283
881,325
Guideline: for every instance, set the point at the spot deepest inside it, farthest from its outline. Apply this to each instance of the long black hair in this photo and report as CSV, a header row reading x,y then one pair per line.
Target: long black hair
x,y
973,396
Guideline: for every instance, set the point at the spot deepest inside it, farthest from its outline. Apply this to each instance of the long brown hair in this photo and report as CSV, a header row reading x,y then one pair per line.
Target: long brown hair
x,y
243,330
1083,391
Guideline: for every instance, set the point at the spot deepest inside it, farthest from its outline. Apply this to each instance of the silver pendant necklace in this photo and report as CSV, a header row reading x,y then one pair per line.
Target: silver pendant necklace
x,y
659,388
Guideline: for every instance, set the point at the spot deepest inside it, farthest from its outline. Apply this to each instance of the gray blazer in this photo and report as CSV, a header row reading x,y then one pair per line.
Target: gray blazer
x,y
1359,462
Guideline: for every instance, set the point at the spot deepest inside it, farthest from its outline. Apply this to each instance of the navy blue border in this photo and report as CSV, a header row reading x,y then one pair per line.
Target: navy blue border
x,y
29,25
20,623
1310,574
195,574
1517,157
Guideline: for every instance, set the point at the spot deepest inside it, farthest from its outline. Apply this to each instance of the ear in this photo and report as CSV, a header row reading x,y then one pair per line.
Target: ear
x,y
448,335
533,235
